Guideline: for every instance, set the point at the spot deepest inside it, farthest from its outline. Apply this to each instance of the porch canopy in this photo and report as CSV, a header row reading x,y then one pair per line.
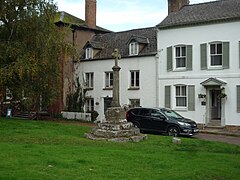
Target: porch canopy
x,y
213,82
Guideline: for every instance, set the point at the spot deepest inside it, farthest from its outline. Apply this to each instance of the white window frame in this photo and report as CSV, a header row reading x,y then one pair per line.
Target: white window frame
x,y
181,55
133,48
89,105
210,55
89,53
8,94
134,79
181,95
89,79
109,79
134,103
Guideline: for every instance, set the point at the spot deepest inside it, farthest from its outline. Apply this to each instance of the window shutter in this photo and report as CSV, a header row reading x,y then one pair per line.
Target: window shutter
x,y
168,96
189,57
226,55
203,48
239,54
238,98
169,59
191,98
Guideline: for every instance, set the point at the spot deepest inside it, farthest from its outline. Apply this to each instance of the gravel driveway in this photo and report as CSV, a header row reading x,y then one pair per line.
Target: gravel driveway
x,y
221,138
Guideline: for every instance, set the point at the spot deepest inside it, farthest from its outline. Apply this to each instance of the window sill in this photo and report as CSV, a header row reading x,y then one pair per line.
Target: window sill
x,y
89,88
133,54
180,69
215,68
108,88
133,88
183,109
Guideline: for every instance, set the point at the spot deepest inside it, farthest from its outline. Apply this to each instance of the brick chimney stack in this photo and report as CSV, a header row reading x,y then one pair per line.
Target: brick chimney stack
x,y
90,13
176,5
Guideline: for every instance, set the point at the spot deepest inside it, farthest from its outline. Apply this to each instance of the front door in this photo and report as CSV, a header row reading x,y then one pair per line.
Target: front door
x,y
215,105
107,103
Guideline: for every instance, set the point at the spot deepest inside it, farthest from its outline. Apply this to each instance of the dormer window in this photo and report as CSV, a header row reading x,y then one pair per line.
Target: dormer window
x,y
133,48
89,53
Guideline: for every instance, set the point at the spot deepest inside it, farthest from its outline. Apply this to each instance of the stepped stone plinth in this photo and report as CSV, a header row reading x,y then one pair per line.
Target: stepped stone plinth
x,y
116,128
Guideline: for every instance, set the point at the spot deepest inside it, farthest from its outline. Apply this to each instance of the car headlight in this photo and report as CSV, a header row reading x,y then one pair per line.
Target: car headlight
x,y
184,124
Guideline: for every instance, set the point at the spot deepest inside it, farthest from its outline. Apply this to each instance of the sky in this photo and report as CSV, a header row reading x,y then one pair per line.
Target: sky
x,y
121,15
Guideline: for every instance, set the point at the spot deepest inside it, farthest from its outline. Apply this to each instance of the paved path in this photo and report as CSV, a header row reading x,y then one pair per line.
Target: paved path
x,y
221,138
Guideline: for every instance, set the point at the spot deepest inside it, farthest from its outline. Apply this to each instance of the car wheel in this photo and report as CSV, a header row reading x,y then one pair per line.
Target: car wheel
x,y
173,131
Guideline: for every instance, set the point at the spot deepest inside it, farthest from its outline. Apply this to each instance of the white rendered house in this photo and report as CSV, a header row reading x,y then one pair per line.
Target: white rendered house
x,y
138,49
199,54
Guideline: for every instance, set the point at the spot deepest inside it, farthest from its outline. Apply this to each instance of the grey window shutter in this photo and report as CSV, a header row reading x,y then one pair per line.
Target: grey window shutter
x,y
238,98
191,98
203,50
189,57
169,59
168,96
226,55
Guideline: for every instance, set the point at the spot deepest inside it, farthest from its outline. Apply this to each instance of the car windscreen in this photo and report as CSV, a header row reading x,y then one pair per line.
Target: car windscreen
x,y
172,114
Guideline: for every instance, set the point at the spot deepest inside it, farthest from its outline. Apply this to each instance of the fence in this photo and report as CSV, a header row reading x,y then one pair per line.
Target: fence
x,y
77,116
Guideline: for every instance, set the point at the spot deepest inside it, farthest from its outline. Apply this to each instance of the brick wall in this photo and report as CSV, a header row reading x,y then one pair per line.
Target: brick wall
x,y
90,13
175,5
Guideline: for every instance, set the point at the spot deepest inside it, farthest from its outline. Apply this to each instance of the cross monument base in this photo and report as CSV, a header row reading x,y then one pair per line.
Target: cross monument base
x,y
116,128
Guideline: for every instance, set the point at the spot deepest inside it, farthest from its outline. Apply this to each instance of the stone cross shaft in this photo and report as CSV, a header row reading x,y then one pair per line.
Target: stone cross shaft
x,y
115,102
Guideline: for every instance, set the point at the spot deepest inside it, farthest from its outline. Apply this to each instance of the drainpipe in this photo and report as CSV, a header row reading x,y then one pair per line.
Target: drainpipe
x,y
157,58
157,81
72,74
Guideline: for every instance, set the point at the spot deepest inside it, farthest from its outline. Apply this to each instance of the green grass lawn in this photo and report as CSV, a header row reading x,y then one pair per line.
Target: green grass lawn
x,y
50,150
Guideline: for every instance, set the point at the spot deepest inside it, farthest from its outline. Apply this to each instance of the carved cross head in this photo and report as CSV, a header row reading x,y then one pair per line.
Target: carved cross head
x,y
116,55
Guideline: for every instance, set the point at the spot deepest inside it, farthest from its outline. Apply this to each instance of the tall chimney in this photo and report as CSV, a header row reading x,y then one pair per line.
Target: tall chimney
x,y
176,5
90,13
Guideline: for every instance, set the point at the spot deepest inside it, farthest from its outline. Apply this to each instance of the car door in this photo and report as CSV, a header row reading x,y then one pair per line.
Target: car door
x,y
144,118
158,121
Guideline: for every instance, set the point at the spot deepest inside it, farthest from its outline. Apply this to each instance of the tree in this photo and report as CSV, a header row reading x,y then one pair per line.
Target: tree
x,y
31,47
76,100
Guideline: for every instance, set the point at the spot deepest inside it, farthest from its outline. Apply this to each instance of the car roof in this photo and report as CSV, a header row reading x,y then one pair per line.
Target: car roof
x,y
159,108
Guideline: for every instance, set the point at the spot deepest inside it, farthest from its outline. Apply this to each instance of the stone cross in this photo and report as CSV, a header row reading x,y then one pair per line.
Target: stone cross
x,y
115,102
116,55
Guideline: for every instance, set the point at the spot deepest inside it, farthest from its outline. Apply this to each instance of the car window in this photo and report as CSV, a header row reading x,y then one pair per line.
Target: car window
x,y
157,113
145,112
135,111
170,113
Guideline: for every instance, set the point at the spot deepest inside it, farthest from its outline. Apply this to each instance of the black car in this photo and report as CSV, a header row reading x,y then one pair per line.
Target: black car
x,y
161,120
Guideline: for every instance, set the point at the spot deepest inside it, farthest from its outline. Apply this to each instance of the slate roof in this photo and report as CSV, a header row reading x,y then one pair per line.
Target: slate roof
x,y
66,18
120,40
139,39
210,12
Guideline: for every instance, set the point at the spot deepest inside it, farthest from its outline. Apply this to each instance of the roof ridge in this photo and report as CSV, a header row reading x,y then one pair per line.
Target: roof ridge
x,y
126,31
209,2
203,13
200,3
130,30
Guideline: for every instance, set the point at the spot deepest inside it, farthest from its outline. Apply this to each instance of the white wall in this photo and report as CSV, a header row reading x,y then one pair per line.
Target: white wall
x,y
195,36
146,93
